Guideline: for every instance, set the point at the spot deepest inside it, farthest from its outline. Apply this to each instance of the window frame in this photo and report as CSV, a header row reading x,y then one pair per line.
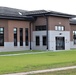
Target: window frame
x,y
15,36
37,40
2,36
26,37
74,37
21,37
40,27
59,28
44,42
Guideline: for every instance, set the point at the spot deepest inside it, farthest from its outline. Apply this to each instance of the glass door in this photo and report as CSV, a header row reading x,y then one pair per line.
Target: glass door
x,y
60,43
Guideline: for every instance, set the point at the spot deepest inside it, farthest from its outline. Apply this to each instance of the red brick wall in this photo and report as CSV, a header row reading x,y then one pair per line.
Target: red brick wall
x,y
52,21
17,24
4,23
72,28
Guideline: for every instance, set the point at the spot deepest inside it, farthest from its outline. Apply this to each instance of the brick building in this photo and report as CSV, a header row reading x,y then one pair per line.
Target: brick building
x,y
37,30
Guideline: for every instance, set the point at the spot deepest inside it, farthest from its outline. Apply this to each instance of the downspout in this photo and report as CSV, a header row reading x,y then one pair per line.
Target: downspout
x,y
30,24
47,30
30,35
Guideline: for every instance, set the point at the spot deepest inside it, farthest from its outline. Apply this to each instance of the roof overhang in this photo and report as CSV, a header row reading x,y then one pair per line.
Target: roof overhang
x,y
55,14
24,18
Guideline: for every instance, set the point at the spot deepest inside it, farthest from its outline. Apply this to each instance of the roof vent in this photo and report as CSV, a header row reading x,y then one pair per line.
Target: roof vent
x,y
20,13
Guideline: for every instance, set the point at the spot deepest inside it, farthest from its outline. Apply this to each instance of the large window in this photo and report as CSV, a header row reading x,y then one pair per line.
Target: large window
x,y
1,36
60,28
44,40
74,37
37,41
15,36
21,36
26,36
40,28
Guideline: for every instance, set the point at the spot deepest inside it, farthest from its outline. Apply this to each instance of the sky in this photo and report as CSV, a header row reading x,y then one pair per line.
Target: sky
x,y
65,6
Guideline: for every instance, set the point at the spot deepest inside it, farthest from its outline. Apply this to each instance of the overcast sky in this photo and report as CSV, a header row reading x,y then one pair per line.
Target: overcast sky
x,y
65,6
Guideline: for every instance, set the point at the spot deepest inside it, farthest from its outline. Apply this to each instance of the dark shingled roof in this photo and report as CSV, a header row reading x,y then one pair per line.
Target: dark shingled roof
x,y
72,21
48,13
12,13
35,12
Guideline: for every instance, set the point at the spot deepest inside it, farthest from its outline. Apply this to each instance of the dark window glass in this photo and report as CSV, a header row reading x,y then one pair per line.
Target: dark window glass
x,y
26,36
15,36
1,36
59,28
44,40
37,41
21,36
74,37
40,28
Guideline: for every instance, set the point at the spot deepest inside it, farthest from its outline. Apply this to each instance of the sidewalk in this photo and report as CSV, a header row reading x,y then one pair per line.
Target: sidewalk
x,y
43,71
24,53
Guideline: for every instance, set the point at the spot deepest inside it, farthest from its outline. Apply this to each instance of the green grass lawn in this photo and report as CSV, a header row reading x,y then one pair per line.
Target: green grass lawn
x,y
29,62
65,72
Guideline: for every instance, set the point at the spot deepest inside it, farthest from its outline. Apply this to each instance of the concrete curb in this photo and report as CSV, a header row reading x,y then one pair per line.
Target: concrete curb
x,y
43,71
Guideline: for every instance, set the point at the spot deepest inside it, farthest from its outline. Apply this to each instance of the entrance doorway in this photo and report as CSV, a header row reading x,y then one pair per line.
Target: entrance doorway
x,y
60,43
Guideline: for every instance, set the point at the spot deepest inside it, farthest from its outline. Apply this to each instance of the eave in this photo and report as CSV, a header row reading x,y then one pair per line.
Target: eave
x,y
24,18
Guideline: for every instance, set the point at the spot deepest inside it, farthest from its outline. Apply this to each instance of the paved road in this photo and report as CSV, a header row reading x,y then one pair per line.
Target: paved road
x,y
43,71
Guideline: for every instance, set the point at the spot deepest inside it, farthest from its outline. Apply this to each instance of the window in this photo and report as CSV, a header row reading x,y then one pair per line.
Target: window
x,y
15,36
1,36
21,36
74,37
44,40
40,28
59,28
37,41
26,36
